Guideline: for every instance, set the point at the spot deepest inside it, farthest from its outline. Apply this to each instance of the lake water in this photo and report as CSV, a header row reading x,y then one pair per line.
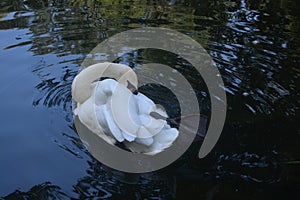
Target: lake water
x,y
255,45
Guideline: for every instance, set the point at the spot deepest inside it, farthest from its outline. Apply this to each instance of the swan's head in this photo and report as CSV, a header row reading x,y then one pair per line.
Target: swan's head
x,y
82,85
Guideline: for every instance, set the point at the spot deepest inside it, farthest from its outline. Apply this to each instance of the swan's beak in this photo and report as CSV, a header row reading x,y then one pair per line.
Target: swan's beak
x,y
156,115
132,88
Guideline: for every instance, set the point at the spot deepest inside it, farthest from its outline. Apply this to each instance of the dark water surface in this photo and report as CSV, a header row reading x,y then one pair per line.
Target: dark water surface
x,y
256,47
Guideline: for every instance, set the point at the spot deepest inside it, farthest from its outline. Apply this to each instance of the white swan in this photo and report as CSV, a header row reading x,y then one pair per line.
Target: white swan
x,y
109,109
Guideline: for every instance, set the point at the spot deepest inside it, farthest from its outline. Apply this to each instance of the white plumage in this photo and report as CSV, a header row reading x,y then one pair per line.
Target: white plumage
x,y
115,114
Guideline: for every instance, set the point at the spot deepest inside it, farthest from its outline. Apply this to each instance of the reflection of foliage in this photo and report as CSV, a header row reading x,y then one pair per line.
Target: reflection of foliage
x,y
99,182
232,31
57,92
37,4
54,90
42,191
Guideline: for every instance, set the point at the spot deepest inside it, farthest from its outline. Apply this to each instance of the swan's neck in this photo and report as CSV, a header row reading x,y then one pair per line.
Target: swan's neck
x,y
82,86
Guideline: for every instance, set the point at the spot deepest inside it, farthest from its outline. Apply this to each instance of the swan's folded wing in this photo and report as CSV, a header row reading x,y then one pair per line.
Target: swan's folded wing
x,y
87,116
144,141
128,136
155,125
145,105
163,140
136,147
103,90
113,127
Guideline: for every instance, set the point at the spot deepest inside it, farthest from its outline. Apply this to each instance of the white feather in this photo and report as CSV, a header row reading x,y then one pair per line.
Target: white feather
x,y
151,135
